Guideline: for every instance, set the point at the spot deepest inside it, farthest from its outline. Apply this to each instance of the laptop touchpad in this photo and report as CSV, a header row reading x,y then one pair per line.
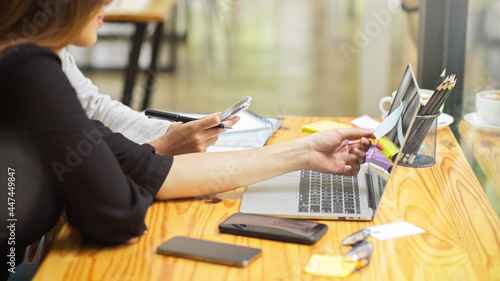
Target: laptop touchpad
x,y
275,192
279,187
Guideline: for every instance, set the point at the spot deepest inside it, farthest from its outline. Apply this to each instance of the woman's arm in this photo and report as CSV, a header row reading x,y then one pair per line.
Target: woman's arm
x,y
106,181
201,174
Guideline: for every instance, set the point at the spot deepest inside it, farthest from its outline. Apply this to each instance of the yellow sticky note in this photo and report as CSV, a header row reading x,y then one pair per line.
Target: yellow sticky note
x,y
323,126
389,149
326,265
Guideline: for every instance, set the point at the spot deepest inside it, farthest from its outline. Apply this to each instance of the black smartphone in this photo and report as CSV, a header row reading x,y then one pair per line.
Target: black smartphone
x,y
236,108
274,228
208,251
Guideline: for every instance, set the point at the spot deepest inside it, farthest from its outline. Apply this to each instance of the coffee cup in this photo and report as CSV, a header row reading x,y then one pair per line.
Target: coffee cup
x,y
386,102
488,106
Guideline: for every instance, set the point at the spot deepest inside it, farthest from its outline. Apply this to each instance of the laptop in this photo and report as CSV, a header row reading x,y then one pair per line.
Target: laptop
x,y
313,195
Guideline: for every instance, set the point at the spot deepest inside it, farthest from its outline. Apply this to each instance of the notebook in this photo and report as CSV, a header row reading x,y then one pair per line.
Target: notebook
x,y
251,131
251,121
313,195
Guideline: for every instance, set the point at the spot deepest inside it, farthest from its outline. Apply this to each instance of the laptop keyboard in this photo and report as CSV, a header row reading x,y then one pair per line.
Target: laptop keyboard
x,y
381,184
326,193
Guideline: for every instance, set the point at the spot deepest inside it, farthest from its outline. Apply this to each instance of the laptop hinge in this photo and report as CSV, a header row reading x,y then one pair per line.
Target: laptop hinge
x,y
369,186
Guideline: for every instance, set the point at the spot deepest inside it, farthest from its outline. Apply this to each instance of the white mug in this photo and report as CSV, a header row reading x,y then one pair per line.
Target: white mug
x,y
424,93
488,106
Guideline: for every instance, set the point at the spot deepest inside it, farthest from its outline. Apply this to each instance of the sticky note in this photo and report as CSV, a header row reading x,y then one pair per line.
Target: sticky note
x,y
365,121
323,126
327,265
389,122
394,230
388,148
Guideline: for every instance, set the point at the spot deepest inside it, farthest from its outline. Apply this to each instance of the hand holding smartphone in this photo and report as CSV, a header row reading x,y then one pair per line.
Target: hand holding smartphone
x,y
227,114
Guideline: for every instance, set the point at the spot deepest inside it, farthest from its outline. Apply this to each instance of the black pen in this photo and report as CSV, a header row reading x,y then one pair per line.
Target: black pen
x,y
174,117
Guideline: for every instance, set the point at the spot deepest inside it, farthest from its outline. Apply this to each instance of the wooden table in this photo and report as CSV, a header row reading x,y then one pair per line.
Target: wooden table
x,y
141,13
462,239
485,147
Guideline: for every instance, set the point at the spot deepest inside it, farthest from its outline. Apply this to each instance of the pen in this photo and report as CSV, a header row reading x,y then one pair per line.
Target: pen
x,y
176,117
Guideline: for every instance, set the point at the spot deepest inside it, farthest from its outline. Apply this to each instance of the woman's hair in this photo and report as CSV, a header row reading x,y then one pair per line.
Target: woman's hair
x,y
47,23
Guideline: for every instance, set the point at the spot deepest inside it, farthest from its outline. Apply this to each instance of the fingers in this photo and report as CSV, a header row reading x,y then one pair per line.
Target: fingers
x,y
216,121
365,144
348,171
362,146
206,122
231,122
354,162
194,136
355,133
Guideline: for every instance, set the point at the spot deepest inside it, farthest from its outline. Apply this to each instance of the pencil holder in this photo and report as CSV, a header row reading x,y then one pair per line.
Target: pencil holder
x,y
420,148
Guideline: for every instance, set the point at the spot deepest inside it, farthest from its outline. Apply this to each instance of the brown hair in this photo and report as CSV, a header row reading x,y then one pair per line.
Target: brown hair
x,y
47,23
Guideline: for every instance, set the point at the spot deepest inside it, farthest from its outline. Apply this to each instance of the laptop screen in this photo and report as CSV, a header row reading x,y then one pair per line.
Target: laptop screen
x,y
309,194
384,156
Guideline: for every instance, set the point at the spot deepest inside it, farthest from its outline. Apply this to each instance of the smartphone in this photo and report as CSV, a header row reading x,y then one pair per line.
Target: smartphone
x,y
208,251
236,108
274,228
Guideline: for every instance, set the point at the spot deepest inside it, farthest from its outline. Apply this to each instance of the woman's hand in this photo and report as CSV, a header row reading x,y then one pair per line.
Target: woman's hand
x,y
335,152
194,136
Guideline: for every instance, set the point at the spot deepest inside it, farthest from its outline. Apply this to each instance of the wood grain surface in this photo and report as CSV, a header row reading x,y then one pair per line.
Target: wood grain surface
x,y
461,242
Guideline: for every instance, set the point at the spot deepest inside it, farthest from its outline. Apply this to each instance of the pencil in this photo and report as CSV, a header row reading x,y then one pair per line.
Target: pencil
x,y
445,96
435,96
441,78
421,128
174,117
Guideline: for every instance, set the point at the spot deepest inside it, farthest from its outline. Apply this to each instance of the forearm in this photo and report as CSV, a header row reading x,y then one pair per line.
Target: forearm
x,y
200,174
329,151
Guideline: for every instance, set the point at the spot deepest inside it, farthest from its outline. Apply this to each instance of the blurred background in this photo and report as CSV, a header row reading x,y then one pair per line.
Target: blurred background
x,y
294,57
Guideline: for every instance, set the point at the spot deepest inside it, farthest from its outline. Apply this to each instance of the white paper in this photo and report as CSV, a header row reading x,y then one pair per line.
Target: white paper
x,y
389,122
394,230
